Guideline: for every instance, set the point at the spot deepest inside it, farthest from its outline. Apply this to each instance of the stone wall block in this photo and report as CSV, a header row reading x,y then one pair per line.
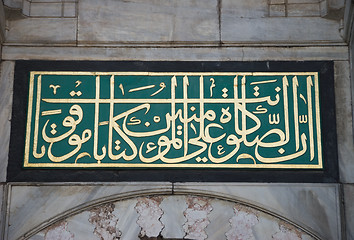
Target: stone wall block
x,y
304,1
314,206
3,204
344,121
69,9
349,209
303,10
6,89
13,3
33,206
197,217
46,9
150,214
219,219
47,1
147,21
173,218
286,232
42,31
323,8
277,10
278,30
276,1
336,4
246,9
105,222
128,218
242,223
226,220
26,8
78,225
59,231
177,54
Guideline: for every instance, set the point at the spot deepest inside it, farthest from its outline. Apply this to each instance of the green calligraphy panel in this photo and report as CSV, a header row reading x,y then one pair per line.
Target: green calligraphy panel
x,y
174,119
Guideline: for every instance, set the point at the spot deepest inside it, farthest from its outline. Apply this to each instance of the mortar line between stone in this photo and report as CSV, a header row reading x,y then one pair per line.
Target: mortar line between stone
x,y
77,22
219,20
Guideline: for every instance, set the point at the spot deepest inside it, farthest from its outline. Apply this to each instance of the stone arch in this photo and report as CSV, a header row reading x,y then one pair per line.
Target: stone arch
x,y
169,216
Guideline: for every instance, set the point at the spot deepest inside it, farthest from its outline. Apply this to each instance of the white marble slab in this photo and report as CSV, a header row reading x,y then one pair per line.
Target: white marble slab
x,y
349,209
173,217
219,219
32,206
245,9
314,206
2,209
6,89
128,217
42,30
45,9
277,10
344,121
147,21
278,30
177,54
192,217
301,10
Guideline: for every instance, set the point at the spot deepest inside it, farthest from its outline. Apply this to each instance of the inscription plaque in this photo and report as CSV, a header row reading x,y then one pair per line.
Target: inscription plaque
x,y
250,119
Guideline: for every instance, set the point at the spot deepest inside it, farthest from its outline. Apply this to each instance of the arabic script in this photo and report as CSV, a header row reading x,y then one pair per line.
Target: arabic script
x,y
151,119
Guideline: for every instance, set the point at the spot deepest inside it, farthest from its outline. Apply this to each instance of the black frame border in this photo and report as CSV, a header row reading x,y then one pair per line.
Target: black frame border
x,y
329,173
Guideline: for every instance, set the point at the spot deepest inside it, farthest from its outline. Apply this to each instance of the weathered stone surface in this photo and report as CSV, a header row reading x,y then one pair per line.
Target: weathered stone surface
x,y
128,217
48,1
224,220
336,3
242,223
69,9
105,221
26,8
173,218
349,209
344,121
42,30
265,227
314,206
286,233
277,10
80,226
2,209
177,54
301,10
277,2
45,9
149,216
2,25
36,205
304,1
147,21
13,3
197,217
245,9
278,30
59,231
219,219
6,89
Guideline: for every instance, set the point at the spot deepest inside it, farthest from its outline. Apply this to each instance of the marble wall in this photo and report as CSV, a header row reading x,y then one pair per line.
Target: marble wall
x,y
191,217
190,210
152,30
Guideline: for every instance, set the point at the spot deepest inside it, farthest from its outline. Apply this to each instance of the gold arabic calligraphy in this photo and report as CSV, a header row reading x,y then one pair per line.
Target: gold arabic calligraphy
x,y
228,119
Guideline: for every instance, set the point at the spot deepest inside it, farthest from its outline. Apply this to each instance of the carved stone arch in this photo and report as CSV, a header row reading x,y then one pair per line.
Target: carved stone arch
x,y
194,215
